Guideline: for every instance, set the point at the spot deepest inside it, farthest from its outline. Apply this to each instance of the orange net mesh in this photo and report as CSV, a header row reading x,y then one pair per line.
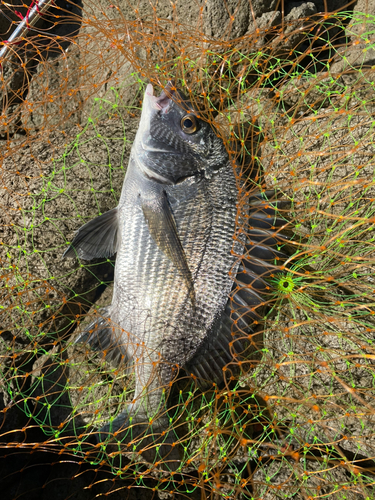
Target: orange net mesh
x,y
289,88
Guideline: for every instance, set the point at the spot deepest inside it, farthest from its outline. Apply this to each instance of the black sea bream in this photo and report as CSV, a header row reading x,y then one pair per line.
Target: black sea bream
x,y
173,232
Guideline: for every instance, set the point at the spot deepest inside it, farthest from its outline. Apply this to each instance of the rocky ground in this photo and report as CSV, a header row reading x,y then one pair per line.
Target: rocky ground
x,y
63,162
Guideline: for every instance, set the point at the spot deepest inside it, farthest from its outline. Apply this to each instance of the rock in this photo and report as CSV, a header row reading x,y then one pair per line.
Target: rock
x,y
360,52
61,81
295,21
61,23
307,95
228,19
260,27
233,19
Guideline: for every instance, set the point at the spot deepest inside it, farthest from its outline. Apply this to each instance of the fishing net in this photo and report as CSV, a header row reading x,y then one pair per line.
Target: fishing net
x,y
290,89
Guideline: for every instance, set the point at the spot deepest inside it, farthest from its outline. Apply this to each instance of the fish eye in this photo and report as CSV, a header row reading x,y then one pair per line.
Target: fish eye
x,y
189,124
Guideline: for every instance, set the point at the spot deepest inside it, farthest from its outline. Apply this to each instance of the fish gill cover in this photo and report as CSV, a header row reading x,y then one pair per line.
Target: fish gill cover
x,y
290,89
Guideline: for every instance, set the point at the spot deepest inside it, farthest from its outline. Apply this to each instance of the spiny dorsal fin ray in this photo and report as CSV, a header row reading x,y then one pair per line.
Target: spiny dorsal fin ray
x,y
97,238
237,321
265,221
265,253
163,230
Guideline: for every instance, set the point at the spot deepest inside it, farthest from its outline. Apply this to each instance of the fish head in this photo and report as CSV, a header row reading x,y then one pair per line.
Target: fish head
x,y
173,142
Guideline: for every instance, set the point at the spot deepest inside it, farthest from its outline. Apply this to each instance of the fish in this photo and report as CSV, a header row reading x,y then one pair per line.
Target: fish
x,y
184,279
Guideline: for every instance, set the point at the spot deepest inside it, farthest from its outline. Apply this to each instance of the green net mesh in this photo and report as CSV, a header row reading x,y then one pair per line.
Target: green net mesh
x,y
294,103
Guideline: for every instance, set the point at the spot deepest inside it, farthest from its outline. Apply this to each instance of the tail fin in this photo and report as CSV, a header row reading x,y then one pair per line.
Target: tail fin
x,y
152,440
131,428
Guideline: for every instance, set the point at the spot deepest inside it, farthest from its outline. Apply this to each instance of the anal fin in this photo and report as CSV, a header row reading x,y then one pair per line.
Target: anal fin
x,y
104,337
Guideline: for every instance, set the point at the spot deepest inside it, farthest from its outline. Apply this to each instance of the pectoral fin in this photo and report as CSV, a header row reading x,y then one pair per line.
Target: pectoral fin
x,y
163,230
96,239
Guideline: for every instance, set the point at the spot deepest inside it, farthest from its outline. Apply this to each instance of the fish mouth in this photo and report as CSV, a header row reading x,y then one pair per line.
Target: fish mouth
x,y
153,103
163,102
